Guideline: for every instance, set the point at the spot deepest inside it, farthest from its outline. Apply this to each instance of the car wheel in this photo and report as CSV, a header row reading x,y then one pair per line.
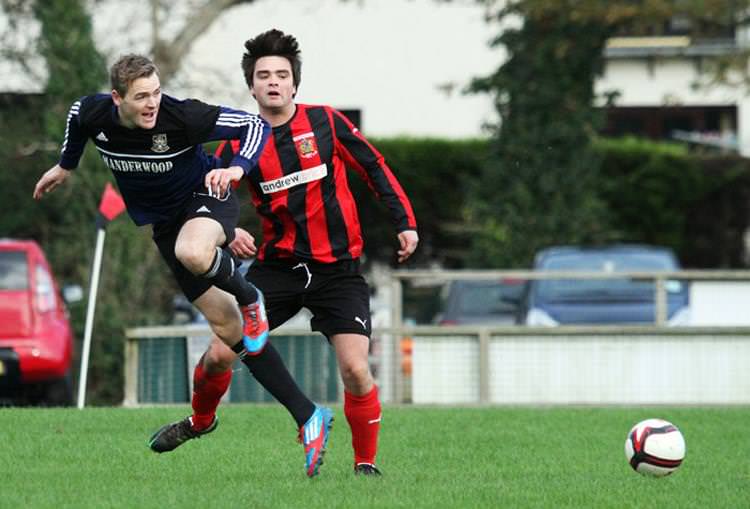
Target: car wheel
x,y
59,392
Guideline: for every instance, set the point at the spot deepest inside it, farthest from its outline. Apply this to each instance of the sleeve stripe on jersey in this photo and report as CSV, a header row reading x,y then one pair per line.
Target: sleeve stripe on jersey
x,y
226,115
253,142
255,125
233,119
73,112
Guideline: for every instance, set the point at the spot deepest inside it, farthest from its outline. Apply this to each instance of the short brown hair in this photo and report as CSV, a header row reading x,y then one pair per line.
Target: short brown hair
x,y
129,68
272,43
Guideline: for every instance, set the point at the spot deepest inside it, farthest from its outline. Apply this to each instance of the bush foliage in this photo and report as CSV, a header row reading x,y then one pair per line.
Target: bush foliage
x,y
652,192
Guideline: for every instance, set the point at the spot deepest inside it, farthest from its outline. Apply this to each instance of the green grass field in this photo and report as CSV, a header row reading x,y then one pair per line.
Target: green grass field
x,y
431,457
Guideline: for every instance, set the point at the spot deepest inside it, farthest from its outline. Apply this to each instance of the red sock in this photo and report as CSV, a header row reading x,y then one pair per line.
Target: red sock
x,y
363,414
208,388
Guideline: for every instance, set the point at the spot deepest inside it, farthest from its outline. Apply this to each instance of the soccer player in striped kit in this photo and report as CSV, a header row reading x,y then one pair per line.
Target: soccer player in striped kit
x,y
153,144
312,240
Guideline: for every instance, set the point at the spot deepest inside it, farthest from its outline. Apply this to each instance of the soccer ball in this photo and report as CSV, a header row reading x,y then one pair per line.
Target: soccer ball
x,y
655,447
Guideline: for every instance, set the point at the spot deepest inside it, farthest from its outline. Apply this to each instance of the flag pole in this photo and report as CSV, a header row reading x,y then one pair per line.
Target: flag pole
x,y
93,287
110,207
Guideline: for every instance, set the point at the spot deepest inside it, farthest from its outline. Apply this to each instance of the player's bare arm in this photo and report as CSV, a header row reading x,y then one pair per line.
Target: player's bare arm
x,y
408,241
50,180
218,180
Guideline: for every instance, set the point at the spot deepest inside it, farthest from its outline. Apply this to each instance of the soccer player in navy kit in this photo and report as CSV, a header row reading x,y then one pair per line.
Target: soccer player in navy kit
x,y
311,232
153,144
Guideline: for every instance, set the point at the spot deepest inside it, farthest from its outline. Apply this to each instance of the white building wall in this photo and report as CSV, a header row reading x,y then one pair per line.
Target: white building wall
x,y
743,126
665,82
403,63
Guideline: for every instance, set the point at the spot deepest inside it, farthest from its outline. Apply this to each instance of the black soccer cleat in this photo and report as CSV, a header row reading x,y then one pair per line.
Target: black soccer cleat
x,y
367,469
171,436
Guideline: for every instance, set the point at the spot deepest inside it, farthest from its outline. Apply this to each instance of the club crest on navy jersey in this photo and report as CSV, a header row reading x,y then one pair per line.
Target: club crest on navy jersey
x,y
306,146
160,143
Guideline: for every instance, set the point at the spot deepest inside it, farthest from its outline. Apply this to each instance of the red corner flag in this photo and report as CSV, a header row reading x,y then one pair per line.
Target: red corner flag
x,y
110,207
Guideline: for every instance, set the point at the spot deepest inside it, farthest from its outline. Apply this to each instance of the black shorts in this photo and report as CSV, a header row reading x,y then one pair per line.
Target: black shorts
x,y
225,211
336,294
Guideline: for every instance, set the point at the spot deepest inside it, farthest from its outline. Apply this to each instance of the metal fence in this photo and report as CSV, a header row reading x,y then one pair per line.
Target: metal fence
x,y
159,363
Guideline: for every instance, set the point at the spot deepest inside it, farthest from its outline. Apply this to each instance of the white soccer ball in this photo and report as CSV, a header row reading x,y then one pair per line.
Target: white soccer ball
x,y
655,447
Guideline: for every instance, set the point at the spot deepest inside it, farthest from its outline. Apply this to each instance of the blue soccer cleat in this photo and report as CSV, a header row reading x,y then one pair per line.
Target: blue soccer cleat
x,y
255,326
314,436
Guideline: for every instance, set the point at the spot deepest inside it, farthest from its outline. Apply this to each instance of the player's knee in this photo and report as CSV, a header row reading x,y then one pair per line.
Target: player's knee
x,y
194,256
356,374
218,360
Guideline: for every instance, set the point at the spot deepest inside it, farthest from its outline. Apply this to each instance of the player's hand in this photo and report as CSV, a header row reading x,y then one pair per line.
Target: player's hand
x,y
218,181
50,180
243,245
408,241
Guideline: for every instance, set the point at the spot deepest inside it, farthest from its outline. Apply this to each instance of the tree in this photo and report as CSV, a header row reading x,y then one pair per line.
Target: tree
x,y
169,53
135,287
172,28
540,186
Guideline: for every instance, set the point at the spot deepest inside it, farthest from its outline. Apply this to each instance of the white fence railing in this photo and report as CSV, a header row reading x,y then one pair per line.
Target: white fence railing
x,y
523,365
529,365
578,365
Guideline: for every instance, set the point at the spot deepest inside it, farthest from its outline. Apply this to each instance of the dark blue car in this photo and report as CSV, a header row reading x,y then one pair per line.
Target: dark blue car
x,y
602,301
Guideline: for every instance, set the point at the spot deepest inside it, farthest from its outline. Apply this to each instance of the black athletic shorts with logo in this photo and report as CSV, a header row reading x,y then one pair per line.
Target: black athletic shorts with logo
x,y
336,294
225,211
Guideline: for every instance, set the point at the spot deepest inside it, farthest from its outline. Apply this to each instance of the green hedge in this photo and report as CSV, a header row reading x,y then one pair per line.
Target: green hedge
x,y
656,193
435,174
661,193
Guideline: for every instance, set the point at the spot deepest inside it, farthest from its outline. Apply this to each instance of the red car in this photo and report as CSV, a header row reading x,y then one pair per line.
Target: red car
x,y
36,339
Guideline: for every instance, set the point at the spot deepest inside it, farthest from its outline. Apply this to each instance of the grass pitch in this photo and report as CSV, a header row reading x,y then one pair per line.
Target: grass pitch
x,y
431,457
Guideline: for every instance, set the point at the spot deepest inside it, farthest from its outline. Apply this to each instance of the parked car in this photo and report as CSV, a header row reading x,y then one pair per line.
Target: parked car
x,y
36,339
602,301
482,302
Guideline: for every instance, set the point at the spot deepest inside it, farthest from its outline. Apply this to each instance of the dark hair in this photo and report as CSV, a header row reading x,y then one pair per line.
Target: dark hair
x,y
129,68
272,43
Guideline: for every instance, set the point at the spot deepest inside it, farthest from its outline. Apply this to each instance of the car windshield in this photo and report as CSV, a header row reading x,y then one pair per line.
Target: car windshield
x,y
593,289
13,270
489,299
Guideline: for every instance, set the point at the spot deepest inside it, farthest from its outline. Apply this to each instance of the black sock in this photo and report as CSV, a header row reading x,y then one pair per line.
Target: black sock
x,y
224,274
269,370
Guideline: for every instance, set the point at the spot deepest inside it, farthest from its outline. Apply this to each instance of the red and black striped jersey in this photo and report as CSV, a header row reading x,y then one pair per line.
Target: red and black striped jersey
x,y
302,193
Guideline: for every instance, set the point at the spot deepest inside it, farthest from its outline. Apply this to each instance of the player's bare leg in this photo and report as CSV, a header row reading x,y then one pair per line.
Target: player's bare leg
x,y
197,249
361,403
212,375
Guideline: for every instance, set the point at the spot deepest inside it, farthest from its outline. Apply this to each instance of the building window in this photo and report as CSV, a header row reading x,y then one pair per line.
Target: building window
x,y
699,125
680,24
354,116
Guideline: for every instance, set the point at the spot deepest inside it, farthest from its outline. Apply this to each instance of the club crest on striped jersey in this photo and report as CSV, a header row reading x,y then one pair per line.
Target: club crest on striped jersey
x,y
306,146
159,143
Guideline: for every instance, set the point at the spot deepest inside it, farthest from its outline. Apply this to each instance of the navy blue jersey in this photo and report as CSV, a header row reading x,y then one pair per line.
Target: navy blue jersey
x,y
158,169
